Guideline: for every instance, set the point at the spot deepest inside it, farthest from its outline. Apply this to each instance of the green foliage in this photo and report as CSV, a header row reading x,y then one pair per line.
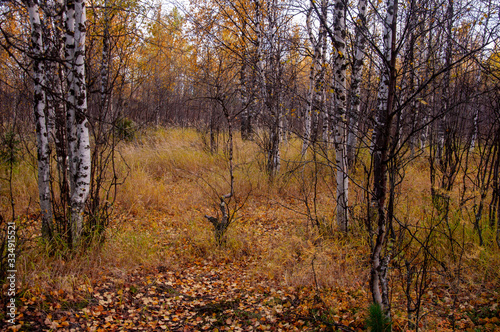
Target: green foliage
x,y
9,148
377,321
125,129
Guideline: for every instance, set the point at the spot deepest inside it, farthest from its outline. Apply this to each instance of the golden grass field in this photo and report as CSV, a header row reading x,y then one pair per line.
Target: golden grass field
x,y
172,181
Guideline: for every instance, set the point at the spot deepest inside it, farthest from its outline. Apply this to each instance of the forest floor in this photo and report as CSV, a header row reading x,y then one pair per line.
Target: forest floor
x,y
221,292
204,296
159,268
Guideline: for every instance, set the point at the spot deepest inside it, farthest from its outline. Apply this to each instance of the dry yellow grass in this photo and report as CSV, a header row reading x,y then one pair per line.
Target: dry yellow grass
x,y
173,181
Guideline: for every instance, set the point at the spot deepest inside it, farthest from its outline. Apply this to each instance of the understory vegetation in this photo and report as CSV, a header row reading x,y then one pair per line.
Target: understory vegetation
x,y
282,264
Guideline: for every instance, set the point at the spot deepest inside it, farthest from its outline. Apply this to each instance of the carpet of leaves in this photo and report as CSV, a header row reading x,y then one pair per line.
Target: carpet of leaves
x,y
217,296
204,296
224,294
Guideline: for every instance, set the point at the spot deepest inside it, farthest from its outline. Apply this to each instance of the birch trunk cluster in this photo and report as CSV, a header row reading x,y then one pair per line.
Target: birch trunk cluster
x,y
271,27
72,139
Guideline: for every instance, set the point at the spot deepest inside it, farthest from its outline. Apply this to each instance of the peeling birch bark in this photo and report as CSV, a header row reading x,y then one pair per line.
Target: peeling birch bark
x,y
341,118
357,71
40,108
77,124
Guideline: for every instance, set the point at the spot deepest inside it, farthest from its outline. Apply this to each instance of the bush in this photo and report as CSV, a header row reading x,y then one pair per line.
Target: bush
x,y
9,148
125,129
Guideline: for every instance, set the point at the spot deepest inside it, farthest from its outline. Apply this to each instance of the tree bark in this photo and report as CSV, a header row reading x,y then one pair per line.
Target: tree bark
x,y
104,71
357,71
443,125
77,124
40,109
311,107
245,101
340,115
379,264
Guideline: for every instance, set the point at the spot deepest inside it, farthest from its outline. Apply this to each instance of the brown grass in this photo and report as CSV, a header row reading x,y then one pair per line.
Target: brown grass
x,y
172,182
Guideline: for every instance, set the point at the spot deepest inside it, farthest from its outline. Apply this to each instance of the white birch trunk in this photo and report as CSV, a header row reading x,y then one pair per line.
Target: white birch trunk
x,y
260,76
306,139
245,83
307,118
51,32
105,62
55,81
69,54
357,71
414,109
475,124
50,73
271,81
244,127
425,73
40,106
77,127
316,94
341,119
474,129
322,41
443,126
277,142
425,134
379,265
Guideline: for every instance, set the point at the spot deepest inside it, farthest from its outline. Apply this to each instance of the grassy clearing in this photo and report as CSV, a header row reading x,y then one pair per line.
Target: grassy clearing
x,y
172,181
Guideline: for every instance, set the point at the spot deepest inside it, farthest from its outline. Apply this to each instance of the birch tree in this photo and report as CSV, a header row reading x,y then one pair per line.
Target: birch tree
x,y
442,126
104,70
356,75
308,114
316,95
53,12
40,108
48,116
410,64
271,79
77,124
379,282
340,115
